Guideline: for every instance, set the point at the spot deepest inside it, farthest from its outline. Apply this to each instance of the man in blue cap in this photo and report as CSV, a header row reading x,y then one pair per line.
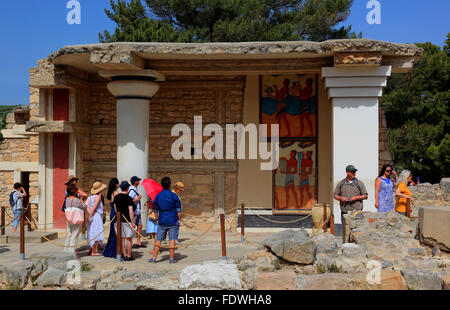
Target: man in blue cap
x,y
134,194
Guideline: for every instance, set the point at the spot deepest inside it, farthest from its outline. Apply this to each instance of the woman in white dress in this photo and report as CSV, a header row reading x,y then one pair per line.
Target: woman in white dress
x,y
95,209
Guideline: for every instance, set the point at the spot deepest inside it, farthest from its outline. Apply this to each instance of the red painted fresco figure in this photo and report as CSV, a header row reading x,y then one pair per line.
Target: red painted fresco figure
x,y
280,94
305,94
306,169
291,171
280,178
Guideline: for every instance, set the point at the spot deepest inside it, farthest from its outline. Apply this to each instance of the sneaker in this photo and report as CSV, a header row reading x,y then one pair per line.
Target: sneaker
x,y
172,261
152,260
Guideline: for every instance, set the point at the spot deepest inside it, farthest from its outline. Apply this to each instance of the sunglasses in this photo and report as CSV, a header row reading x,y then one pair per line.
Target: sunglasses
x,y
389,171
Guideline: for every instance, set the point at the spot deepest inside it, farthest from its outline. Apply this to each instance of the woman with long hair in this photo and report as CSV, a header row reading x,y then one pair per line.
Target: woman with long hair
x,y
402,192
111,246
95,222
384,189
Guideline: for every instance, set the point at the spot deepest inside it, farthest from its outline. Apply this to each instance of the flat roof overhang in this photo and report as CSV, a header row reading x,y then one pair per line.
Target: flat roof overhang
x,y
234,58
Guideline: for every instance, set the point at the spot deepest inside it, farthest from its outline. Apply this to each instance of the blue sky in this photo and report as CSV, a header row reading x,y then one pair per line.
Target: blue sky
x,y
32,29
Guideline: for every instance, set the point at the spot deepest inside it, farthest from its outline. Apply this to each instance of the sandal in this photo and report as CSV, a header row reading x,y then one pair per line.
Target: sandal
x,y
95,254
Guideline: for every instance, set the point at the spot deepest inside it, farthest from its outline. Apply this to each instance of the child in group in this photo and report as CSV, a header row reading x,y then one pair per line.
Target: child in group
x,y
152,224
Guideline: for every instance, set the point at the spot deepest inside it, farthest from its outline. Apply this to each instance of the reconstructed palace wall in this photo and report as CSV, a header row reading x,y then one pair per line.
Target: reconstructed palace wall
x,y
218,99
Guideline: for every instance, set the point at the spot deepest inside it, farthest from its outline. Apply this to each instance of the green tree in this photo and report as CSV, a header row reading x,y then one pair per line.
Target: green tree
x,y
417,111
227,20
4,110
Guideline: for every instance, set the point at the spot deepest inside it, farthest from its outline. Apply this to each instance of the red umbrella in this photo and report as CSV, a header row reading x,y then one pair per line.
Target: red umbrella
x,y
152,188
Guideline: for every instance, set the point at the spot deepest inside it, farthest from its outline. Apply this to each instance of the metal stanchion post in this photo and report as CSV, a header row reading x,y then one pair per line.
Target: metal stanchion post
x,y
3,220
242,223
22,236
119,237
222,233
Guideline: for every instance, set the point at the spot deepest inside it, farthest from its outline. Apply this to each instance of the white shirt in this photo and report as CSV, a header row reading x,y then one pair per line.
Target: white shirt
x,y
17,196
133,193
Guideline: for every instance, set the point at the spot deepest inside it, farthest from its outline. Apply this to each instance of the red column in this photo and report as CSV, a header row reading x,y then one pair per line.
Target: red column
x,y
60,155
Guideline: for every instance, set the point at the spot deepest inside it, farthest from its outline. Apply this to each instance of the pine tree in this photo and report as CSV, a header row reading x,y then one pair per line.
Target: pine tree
x,y
417,107
227,20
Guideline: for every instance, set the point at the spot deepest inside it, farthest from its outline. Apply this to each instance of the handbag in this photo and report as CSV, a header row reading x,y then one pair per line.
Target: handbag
x,y
152,215
74,216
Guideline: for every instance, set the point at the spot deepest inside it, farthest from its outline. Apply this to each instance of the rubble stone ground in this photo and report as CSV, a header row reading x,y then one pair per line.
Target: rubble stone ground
x,y
382,254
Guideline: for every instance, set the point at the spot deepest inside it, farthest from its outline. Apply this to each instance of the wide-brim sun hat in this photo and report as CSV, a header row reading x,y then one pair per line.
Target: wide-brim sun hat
x,y
70,178
98,187
180,186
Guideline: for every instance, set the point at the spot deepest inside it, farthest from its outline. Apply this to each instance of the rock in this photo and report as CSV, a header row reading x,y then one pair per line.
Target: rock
x,y
389,280
328,281
264,264
434,229
445,188
300,282
254,256
293,246
279,280
16,275
416,251
418,279
218,275
157,281
89,280
249,278
53,258
107,272
325,242
354,252
348,265
436,252
52,277
246,264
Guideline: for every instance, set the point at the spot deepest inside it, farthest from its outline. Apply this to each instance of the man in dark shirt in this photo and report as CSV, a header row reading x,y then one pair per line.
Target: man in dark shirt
x,y
167,207
125,205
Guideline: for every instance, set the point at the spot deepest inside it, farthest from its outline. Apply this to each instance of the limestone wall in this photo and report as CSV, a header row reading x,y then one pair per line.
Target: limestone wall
x,y
385,156
19,152
218,99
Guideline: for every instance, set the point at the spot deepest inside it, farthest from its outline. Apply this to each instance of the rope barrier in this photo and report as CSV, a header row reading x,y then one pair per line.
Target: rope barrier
x,y
279,222
64,246
177,246
13,217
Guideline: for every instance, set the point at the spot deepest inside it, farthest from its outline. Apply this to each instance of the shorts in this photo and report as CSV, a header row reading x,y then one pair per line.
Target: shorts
x,y
137,220
127,230
162,231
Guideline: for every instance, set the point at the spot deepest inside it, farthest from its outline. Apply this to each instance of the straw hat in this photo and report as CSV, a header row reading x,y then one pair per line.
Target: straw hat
x,y
98,187
180,186
70,178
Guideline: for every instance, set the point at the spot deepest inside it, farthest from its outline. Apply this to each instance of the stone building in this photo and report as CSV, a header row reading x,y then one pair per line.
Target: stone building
x,y
105,110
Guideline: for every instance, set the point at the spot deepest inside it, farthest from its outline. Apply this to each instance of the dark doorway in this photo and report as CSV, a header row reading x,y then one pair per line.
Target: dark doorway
x,y
25,181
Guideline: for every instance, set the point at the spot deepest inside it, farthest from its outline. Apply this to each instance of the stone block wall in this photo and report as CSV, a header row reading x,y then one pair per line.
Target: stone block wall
x,y
14,151
218,99
385,156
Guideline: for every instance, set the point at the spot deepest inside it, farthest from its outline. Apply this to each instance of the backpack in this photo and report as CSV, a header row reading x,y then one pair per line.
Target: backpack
x,y
355,182
11,199
64,203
